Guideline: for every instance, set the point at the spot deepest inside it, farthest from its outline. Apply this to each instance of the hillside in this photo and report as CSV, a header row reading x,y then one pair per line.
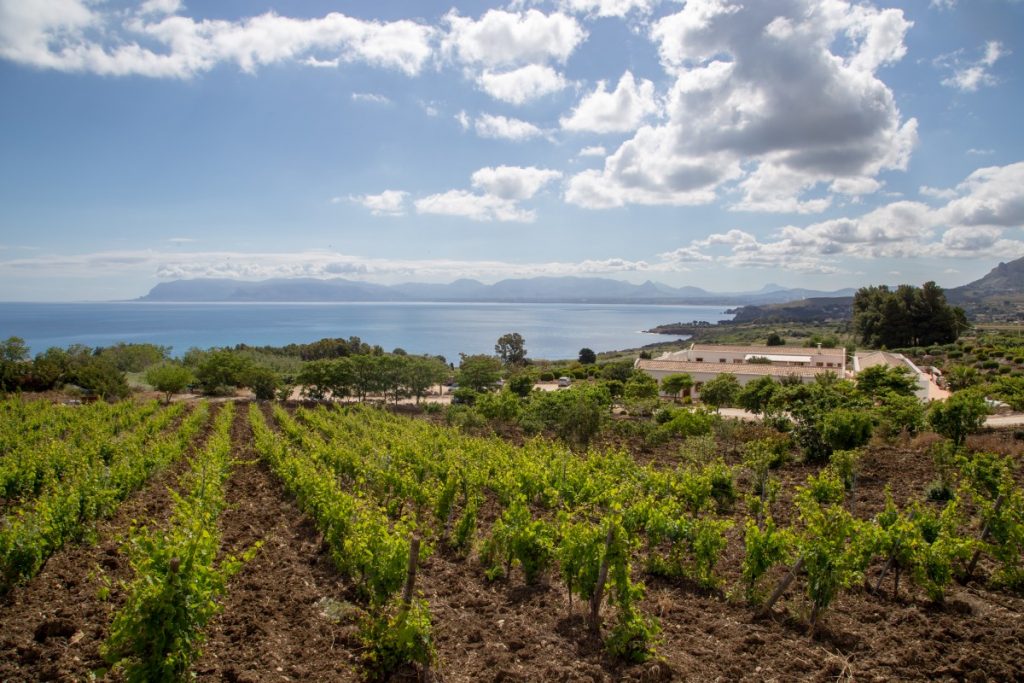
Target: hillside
x,y
999,295
520,290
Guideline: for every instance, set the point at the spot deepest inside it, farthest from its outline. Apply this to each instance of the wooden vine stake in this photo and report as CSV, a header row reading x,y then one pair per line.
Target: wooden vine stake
x,y
602,577
984,535
781,588
410,575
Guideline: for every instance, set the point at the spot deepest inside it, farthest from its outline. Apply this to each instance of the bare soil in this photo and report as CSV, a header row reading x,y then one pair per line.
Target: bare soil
x,y
288,617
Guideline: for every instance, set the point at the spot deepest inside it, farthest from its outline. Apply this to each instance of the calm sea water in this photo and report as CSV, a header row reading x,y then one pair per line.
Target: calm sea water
x,y
551,330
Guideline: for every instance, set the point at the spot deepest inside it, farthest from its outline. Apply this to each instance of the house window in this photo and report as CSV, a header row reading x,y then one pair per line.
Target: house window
x,y
828,364
700,360
821,365
721,360
737,360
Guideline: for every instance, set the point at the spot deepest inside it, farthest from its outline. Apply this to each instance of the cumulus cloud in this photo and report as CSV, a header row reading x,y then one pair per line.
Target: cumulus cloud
x,y
521,85
782,97
513,182
619,111
500,191
594,151
156,40
504,128
511,39
973,223
610,8
971,75
387,203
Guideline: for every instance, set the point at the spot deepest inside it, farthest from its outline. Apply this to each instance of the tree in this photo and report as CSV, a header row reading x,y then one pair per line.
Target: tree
x,y
961,414
775,340
479,372
511,348
878,379
169,378
675,384
960,377
641,386
99,376
263,382
221,370
13,353
721,391
587,356
423,372
134,357
906,316
757,396
520,384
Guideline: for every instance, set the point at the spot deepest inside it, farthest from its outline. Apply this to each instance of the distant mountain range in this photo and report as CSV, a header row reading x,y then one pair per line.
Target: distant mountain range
x,y
526,290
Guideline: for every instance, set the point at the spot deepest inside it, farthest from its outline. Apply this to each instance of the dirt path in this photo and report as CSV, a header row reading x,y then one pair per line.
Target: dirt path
x,y
52,627
273,626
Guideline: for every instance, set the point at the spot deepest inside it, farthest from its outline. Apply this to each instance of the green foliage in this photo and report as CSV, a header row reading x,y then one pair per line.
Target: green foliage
x,y
675,384
395,637
764,547
962,414
503,406
220,369
907,316
641,386
722,391
834,546
169,378
511,348
896,414
878,380
575,415
99,376
579,552
845,429
757,396
134,357
587,356
518,539
775,340
846,465
520,384
479,372
694,422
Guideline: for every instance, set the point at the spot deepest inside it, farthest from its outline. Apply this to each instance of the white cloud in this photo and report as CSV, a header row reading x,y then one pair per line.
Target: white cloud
x,y
476,207
75,35
760,97
504,128
521,85
972,224
463,118
619,111
942,4
179,264
513,182
595,151
181,240
855,186
937,192
973,151
511,39
610,8
387,203
973,75
372,98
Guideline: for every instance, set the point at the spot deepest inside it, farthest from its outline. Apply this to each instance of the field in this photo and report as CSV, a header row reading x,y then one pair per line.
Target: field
x,y
286,534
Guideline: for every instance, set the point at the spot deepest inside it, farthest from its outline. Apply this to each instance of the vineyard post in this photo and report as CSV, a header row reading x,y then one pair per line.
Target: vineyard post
x,y
781,588
602,577
410,575
984,534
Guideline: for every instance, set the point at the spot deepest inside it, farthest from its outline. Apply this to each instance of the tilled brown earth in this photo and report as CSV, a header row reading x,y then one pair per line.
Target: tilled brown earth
x,y
280,611
286,615
52,627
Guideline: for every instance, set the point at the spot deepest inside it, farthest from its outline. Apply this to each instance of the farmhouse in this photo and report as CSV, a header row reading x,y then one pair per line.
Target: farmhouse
x,y
704,362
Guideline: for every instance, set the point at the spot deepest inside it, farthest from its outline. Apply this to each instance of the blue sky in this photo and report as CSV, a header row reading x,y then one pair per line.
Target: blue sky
x,y
718,143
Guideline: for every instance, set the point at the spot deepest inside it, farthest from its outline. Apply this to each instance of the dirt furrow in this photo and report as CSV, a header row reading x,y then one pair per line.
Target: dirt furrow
x,y
279,617
52,627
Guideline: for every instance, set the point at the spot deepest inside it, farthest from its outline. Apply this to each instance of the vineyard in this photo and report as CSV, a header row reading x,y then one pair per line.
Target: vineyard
x,y
262,542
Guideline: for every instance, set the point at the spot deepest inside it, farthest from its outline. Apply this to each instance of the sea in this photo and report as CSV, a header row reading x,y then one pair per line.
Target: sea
x,y
551,331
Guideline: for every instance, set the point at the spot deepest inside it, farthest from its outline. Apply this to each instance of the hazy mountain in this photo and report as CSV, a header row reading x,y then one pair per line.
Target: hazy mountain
x,y
527,290
999,293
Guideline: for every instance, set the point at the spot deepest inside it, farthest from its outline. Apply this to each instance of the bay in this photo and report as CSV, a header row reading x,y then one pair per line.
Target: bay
x,y
552,331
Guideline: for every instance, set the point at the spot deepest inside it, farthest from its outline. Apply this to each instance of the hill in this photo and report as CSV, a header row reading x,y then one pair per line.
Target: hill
x,y
517,290
999,295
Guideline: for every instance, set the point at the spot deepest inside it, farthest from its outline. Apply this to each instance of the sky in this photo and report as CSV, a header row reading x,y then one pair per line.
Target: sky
x,y
725,144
